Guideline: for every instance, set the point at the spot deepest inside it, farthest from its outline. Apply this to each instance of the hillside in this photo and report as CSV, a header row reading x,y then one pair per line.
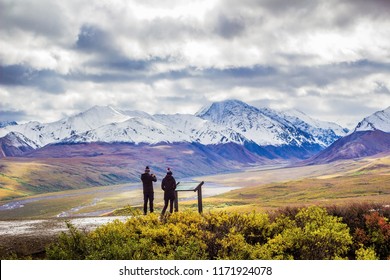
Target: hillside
x,y
64,167
371,136
356,145
337,183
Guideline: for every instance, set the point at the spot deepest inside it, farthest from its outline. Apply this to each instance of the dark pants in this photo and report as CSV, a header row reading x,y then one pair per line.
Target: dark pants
x,y
166,201
148,197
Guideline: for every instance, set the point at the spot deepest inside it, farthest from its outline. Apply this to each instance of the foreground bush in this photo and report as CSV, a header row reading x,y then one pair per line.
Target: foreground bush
x,y
308,233
313,235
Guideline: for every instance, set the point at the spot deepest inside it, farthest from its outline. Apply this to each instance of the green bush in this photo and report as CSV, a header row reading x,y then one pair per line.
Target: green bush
x,y
312,235
366,253
307,233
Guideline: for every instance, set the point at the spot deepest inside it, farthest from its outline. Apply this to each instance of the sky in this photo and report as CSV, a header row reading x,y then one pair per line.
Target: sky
x,y
329,59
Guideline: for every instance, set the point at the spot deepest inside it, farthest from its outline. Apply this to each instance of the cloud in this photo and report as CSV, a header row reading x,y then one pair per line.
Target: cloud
x,y
152,55
19,75
44,18
93,39
229,27
7,115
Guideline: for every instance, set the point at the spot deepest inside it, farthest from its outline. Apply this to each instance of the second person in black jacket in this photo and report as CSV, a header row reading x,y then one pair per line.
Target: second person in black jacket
x,y
147,183
168,184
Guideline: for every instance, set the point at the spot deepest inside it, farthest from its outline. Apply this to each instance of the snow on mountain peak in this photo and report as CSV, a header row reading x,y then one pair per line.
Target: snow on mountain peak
x,y
324,132
218,123
43,134
97,116
217,111
378,121
201,130
18,140
133,130
264,127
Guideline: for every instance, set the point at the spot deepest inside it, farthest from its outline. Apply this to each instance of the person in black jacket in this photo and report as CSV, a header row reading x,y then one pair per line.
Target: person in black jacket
x,y
147,182
168,184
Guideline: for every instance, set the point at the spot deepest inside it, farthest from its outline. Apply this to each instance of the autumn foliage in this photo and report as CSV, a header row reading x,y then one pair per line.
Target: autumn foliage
x,y
311,233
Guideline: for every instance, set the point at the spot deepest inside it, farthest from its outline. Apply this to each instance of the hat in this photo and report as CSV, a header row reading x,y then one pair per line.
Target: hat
x,y
169,171
147,169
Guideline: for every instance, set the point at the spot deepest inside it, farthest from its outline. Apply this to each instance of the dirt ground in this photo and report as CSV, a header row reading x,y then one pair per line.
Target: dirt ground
x,y
25,238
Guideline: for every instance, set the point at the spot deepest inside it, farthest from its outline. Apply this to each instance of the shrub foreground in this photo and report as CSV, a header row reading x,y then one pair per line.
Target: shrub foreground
x,y
312,233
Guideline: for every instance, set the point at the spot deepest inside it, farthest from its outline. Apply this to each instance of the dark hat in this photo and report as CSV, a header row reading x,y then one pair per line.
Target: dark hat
x,y
169,171
147,169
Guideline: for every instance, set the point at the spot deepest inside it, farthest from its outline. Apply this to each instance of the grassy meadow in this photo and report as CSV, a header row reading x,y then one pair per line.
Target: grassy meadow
x,y
260,188
20,177
364,180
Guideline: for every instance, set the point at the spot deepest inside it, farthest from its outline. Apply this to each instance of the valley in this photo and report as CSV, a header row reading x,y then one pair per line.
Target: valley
x,y
30,223
260,188
91,202
86,167
365,180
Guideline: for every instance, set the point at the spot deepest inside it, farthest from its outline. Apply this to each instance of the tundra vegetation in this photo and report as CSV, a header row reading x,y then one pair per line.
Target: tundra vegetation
x,y
356,231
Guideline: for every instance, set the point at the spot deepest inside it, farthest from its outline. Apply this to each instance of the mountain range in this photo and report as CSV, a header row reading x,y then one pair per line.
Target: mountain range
x,y
262,133
105,145
230,121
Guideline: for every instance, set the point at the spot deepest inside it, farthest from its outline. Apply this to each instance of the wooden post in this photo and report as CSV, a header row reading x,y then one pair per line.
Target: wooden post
x,y
176,202
200,201
200,204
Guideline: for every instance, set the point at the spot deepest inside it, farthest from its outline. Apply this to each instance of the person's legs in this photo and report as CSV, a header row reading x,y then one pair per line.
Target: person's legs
x,y
171,205
146,198
151,199
165,206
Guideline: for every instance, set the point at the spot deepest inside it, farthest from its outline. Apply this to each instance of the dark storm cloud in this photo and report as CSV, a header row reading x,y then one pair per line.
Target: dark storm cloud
x,y
94,39
109,59
372,8
282,6
44,18
120,69
229,27
20,75
296,76
8,115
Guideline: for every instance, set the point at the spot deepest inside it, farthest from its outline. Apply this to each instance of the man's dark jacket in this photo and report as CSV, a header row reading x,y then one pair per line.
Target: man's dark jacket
x,y
168,184
147,181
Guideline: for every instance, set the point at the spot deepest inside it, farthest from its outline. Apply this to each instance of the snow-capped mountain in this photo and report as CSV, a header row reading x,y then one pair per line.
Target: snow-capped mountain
x,y
200,130
230,121
42,134
144,128
370,137
14,144
377,121
247,120
269,127
324,133
133,130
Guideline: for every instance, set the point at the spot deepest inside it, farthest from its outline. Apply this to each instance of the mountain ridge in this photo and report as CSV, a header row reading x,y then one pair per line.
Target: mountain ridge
x,y
371,136
108,124
380,120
